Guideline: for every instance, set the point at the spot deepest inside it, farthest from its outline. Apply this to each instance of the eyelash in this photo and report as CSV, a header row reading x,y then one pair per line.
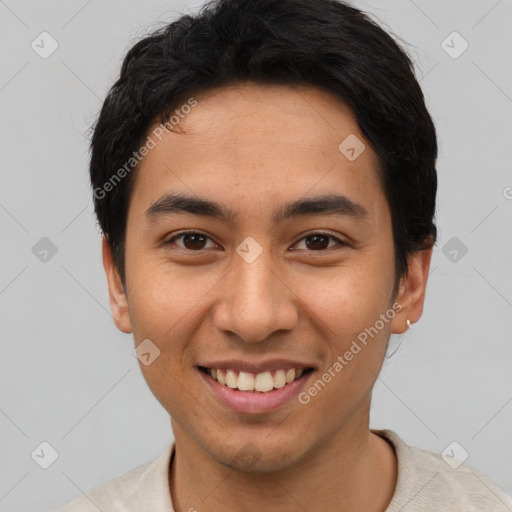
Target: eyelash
x,y
183,233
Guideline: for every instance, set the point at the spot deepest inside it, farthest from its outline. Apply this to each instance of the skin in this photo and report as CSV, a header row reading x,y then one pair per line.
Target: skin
x,y
252,147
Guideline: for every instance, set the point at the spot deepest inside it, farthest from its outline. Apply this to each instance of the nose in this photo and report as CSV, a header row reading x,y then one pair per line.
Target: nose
x,y
255,301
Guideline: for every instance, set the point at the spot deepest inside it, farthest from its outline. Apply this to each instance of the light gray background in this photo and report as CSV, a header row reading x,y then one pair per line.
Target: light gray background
x,y
69,377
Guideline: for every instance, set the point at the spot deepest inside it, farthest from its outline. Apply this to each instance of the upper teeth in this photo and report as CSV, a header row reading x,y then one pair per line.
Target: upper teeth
x,y
265,381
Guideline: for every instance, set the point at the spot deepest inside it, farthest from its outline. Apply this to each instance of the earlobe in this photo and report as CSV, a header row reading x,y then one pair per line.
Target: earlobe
x,y
117,295
411,294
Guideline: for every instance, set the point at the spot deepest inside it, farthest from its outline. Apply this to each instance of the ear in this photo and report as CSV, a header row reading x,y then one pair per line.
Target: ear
x,y
117,295
411,294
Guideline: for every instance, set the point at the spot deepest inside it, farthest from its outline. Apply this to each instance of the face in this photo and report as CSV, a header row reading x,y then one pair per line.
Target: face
x,y
256,286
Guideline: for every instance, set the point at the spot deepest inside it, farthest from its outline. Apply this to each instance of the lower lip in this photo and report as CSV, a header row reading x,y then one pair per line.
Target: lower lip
x,y
255,402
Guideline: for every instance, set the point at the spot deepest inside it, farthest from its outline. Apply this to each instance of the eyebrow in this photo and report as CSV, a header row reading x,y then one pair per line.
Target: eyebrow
x,y
330,204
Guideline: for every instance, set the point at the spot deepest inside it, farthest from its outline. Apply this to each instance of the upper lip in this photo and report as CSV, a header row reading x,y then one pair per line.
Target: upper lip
x,y
255,366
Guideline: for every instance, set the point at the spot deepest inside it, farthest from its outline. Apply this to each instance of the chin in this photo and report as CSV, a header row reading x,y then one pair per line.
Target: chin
x,y
250,458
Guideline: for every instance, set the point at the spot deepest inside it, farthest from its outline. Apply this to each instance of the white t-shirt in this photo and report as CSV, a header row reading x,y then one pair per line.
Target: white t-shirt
x,y
425,483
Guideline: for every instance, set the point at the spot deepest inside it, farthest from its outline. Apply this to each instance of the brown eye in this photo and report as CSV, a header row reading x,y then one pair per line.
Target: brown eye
x,y
319,241
316,242
194,241
191,240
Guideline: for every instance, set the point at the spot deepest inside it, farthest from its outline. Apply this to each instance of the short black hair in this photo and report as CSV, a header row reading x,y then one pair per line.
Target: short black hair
x,y
327,44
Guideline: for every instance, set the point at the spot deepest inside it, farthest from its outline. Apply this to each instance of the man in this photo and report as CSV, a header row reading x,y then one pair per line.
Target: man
x,y
264,176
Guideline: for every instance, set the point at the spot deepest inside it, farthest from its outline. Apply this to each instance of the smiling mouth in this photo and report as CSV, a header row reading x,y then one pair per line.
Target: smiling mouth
x,y
263,382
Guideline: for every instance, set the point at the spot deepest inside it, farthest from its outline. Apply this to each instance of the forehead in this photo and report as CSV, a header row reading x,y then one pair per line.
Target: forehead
x,y
249,142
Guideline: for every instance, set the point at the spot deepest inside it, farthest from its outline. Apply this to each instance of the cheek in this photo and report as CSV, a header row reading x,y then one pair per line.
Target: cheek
x,y
347,298
167,306
163,294
348,308
163,309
